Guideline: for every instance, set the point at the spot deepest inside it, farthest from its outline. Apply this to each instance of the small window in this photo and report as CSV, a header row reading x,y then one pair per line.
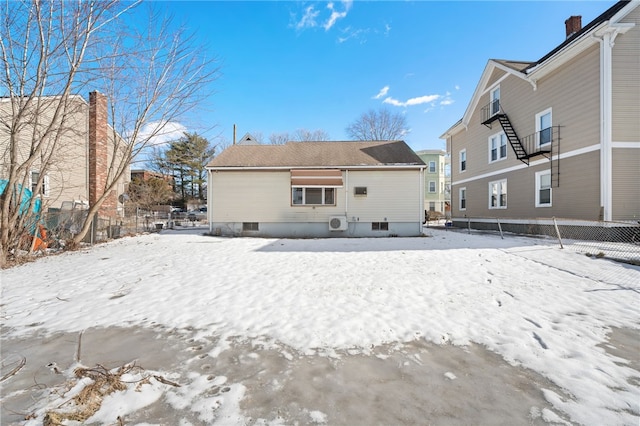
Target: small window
x,y
33,180
432,206
463,160
498,194
497,147
495,101
463,198
543,189
250,226
432,166
432,186
543,127
360,191
380,226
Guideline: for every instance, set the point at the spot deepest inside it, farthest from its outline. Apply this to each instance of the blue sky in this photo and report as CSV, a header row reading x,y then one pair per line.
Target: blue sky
x,y
319,65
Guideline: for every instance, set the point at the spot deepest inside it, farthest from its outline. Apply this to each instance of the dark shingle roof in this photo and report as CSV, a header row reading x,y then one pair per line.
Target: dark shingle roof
x,y
318,154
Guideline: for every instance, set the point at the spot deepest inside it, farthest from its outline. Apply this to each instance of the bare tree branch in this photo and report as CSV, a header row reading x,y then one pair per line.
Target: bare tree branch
x,y
381,125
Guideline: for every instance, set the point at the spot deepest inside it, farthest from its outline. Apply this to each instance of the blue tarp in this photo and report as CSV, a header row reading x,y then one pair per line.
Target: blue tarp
x,y
24,204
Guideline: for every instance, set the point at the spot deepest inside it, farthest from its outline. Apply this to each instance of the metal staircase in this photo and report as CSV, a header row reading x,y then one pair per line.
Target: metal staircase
x,y
514,140
524,148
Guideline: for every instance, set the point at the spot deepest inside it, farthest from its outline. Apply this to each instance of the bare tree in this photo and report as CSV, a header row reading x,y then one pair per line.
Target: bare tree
x,y
44,46
381,125
279,138
151,77
304,135
300,135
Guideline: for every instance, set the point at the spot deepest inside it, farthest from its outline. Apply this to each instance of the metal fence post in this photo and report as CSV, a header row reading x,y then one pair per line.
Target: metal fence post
x,y
555,224
500,228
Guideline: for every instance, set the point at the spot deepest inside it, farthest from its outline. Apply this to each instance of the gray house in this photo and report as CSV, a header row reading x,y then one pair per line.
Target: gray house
x,y
558,136
317,189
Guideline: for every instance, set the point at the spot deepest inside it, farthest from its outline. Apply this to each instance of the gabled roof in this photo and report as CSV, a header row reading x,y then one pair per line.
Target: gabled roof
x,y
532,71
247,139
317,155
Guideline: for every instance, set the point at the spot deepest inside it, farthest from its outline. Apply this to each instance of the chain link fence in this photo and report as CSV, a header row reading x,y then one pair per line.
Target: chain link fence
x,y
614,240
62,225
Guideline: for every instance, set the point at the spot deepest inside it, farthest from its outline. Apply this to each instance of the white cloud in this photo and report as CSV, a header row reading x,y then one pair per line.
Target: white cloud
x,y
447,101
412,101
161,132
382,92
457,87
308,20
335,15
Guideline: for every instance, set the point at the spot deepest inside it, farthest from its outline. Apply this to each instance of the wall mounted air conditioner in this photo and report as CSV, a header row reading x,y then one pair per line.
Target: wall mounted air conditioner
x,y
338,223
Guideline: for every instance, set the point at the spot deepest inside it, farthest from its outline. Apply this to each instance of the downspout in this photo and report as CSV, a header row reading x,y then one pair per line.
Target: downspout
x,y
606,161
346,194
421,217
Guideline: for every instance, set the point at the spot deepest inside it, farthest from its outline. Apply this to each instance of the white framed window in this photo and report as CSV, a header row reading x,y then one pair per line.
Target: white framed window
x,y
543,127
463,198
432,186
432,206
432,166
313,196
34,176
463,160
495,100
543,188
497,147
498,194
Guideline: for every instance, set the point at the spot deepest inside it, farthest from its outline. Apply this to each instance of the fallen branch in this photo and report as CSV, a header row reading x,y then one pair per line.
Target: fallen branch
x,y
165,381
21,364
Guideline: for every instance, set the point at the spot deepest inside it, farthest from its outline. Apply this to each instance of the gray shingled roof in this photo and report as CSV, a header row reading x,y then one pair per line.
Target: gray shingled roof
x,y
514,65
318,154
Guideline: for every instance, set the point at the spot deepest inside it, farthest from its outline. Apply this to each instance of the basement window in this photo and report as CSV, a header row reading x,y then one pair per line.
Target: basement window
x,y
250,226
360,191
379,226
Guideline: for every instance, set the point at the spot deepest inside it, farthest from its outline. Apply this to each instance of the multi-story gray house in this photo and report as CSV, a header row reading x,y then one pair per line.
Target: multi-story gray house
x,y
557,137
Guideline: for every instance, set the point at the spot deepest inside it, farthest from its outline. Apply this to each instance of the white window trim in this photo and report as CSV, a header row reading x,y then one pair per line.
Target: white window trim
x,y
498,182
304,196
538,129
45,184
435,167
500,136
460,198
435,187
462,152
538,203
491,100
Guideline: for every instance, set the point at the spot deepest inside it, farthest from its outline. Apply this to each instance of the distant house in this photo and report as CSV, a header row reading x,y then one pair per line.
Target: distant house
x,y
317,189
436,185
79,167
557,137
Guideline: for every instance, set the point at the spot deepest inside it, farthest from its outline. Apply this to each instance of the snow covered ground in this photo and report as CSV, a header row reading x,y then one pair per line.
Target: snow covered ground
x,y
449,328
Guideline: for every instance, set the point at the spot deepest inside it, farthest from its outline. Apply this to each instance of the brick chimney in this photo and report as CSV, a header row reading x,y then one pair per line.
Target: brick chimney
x,y
573,25
98,157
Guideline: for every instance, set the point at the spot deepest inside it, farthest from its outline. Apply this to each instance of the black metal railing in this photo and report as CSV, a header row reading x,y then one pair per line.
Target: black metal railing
x,y
491,111
541,142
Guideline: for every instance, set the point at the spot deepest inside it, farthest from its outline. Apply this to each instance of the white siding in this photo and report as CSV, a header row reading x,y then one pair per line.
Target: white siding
x,y
265,196
393,194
